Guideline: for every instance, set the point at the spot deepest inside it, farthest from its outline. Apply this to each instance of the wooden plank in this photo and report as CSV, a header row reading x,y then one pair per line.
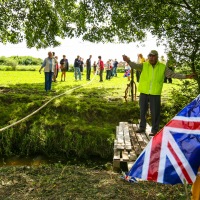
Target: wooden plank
x,y
127,139
128,144
128,147
125,156
142,143
137,149
145,135
148,131
139,137
126,130
120,138
116,155
135,145
139,140
120,147
134,127
132,156
145,139
115,144
142,136
122,124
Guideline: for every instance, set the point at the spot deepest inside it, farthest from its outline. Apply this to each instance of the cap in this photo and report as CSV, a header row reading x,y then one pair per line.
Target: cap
x,y
153,52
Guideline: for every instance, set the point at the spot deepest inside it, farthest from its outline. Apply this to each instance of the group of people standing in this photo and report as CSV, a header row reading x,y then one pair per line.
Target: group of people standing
x,y
79,66
52,66
98,67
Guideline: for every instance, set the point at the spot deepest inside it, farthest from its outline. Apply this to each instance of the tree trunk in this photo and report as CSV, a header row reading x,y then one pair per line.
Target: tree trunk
x,y
198,82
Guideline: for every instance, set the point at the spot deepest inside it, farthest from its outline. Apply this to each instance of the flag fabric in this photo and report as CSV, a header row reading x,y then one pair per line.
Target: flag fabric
x,y
173,155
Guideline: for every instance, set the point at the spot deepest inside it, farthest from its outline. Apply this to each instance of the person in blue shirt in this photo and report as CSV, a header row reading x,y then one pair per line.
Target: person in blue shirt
x,y
77,64
115,64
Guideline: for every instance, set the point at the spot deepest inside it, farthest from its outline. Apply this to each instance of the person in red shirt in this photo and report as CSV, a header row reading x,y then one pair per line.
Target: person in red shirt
x,y
101,68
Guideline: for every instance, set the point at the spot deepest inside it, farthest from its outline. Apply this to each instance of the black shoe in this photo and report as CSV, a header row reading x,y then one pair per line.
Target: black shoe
x,y
152,134
140,130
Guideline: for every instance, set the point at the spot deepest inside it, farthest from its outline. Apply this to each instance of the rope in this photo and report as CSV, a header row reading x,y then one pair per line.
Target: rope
x,y
40,108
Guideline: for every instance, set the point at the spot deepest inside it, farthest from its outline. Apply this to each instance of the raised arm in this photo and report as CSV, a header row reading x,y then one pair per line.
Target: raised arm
x,y
132,64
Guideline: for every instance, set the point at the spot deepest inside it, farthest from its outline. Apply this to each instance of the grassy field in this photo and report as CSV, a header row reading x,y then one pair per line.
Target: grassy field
x,y
35,80
85,115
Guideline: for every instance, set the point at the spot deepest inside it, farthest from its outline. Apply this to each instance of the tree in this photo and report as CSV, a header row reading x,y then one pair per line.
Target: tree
x,y
39,23
42,23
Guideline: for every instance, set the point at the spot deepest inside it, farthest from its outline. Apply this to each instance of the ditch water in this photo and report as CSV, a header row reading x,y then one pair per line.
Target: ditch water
x,y
26,161
41,160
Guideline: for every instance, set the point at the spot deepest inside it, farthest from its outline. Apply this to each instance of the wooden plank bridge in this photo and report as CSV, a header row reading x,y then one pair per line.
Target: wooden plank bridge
x,y
128,145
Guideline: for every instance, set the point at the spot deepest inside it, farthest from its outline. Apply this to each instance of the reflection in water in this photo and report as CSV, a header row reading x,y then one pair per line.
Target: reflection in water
x,y
41,160
29,161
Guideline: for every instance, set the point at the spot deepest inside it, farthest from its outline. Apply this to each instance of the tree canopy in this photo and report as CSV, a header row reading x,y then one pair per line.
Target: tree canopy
x,y
42,23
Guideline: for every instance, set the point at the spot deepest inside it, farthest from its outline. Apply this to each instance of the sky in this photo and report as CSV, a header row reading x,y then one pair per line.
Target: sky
x,y
73,47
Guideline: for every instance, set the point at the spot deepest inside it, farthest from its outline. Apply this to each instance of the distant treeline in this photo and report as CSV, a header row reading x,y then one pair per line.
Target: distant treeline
x,y
13,61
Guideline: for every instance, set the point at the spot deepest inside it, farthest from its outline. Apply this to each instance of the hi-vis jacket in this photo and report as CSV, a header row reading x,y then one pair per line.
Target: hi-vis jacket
x,y
152,78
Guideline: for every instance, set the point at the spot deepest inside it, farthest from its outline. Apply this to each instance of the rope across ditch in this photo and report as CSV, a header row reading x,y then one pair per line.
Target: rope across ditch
x,y
44,105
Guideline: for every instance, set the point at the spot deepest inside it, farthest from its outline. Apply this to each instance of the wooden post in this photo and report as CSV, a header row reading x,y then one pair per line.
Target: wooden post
x,y
131,84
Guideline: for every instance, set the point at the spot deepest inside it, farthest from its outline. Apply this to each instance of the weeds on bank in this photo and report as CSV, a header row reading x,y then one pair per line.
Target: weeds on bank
x,y
80,123
79,182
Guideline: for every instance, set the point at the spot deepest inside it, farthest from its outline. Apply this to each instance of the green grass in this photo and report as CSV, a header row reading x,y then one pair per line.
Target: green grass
x,y
79,125
81,113
34,79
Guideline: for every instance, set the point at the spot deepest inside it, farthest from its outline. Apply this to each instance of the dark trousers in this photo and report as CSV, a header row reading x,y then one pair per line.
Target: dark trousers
x,y
155,103
111,72
48,80
88,73
101,74
108,74
114,71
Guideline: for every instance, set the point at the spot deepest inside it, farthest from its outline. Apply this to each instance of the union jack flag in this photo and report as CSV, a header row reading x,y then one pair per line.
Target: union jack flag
x,y
173,155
